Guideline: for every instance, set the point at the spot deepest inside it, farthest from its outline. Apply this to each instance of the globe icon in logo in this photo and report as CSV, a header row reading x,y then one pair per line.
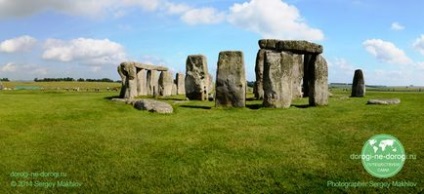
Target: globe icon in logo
x,y
383,156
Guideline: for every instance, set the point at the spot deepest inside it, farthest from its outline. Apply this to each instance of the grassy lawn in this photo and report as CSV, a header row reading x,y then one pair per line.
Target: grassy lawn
x,y
111,147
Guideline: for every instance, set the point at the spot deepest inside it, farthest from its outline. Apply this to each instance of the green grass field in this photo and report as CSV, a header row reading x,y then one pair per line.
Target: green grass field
x,y
110,147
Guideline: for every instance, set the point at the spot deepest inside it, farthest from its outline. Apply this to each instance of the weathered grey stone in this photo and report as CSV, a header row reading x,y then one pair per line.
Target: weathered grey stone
x,y
154,106
166,82
196,80
384,101
277,80
299,47
318,91
134,79
295,46
174,89
297,76
231,80
259,71
1,86
127,71
358,86
211,87
152,82
179,80
141,82
149,67
270,44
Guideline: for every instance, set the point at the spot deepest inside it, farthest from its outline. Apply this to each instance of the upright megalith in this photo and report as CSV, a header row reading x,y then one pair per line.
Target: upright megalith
x,y
127,71
358,86
152,82
303,72
278,78
211,88
166,82
196,80
141,82
138,79
180,85
259,71
230,80
318,87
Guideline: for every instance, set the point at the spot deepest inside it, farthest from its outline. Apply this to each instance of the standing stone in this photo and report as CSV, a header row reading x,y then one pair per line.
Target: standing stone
x,y
196,80
152,82
179,80
1,86
123,82
174,89
259,71
166,82
277,80
141,82
127,71
318,91
230,80
358,86
211,88
297,76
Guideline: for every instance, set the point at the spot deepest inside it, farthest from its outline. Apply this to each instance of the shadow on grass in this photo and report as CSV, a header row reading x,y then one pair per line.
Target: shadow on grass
x,y
301,105
250,99
254,106
110,97
196,107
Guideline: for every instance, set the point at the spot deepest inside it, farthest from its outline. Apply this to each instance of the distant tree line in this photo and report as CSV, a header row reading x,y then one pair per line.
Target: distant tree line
x,y
4,79
97,80
250,84
69,79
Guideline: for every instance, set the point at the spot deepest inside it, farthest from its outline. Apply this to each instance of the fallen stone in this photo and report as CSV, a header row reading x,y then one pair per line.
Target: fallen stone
x,y
384,101
154,106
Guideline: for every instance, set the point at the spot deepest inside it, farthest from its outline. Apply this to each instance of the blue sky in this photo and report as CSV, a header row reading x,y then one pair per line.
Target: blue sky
x,y
88,38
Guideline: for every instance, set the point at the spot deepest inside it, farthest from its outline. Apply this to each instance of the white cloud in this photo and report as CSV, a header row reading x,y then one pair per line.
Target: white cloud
x,y
386,52
9,68
88,51
272,19
397,26
340,70
19,44
173,8
203,16
149,5
419,44
22,8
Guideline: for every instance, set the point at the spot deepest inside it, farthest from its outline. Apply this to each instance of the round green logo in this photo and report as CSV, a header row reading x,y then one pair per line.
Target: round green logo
x,y
383,156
